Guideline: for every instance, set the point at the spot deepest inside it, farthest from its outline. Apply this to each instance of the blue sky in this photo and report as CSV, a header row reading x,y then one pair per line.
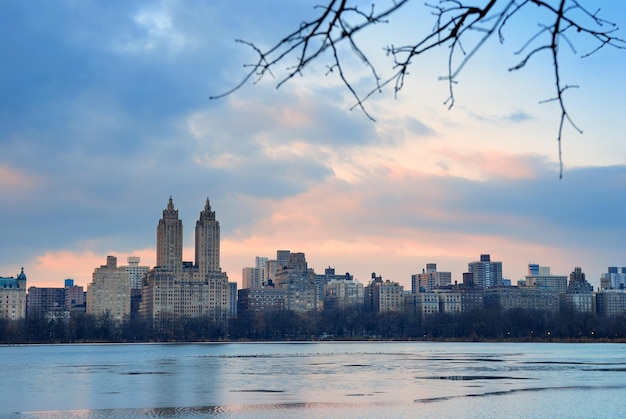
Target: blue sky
x,y
105,113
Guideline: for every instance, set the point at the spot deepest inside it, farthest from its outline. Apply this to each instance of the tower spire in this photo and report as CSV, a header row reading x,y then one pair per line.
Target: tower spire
x,y
170,239
206,213
207,241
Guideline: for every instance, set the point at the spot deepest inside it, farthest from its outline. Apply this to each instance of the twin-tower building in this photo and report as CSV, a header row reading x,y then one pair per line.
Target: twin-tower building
x,y
177,289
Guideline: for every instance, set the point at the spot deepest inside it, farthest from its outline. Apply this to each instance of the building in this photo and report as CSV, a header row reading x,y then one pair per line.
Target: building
x,y
254,277
578,295
13,297
232,300
249,278
430,279
578,302
273,266
557,283
75,297
450,302
614,279
611,303
109,292
260,264
472,299
174,289
508,298
135,272
540,277
40,300
261,299
422,303
322,281
578,283
383,296
485,273
207,242
170,240
61,314
298,283
341,293
468,280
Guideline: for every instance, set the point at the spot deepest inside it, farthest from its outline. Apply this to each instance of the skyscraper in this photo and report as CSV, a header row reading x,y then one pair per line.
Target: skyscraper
x,y
207,241
174,289
485,272
170,240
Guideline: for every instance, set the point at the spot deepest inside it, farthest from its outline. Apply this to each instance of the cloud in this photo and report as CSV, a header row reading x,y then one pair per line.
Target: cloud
x,y
155,30
494,164
517,116
51,268
15,181
407,218
105,114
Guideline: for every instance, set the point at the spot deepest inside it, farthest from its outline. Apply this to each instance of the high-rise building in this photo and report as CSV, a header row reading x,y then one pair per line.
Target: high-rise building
x,y
176,289
207,241
533,269
430,279
135,272
170,240
248,276
485,272
232,300
341,293
254,277
383,296
614,279
298,282
13,297
109,292
262,270
271,269
282,256
322,281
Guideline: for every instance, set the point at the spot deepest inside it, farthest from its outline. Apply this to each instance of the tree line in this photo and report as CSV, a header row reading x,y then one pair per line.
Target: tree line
x,y
354,323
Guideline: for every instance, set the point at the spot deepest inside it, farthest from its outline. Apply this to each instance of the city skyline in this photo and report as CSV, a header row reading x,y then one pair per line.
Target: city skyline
x,y
169,251
106,114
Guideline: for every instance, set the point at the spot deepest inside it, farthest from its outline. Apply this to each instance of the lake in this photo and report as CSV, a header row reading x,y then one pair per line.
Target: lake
x,y
314,380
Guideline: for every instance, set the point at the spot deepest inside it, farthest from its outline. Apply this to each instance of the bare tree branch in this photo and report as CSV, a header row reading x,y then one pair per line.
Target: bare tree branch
x,y
456,23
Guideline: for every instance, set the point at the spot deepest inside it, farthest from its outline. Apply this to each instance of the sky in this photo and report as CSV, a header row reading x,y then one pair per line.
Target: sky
x,y
105,114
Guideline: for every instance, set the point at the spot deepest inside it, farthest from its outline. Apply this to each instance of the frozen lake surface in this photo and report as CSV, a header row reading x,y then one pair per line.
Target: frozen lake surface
x,y
316,380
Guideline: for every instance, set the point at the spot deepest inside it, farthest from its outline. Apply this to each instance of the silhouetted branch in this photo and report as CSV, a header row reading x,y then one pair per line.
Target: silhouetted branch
x,y
456,23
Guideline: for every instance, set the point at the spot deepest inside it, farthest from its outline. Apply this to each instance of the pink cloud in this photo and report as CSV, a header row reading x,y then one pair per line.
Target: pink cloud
x,y
13,180
393,223
491,164
52,268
